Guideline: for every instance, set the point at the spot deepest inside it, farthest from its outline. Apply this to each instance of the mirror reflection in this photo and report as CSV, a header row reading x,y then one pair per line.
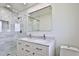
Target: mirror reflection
x,y
40,20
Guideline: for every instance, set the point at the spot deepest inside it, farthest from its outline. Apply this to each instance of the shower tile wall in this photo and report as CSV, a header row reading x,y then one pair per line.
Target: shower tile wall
x,y
8,39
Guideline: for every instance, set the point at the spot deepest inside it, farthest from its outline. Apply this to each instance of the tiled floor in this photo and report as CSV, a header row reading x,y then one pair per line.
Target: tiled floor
x,y
7,47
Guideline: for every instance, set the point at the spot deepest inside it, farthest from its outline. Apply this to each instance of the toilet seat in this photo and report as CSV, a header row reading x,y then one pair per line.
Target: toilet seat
x,y
68,51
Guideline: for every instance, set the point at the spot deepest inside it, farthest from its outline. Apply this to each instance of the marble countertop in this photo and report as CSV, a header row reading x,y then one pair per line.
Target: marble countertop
x,y
39,41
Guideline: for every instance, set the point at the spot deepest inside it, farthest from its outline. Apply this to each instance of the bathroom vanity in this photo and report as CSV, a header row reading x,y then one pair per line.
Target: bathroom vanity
x,y
35,47
38,20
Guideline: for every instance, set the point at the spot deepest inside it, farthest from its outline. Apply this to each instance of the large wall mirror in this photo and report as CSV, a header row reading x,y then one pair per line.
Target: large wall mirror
x,y
40,20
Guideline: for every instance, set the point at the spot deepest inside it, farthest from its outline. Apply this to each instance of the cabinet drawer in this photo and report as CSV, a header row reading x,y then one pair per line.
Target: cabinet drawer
x,y
19,43
20,48
40,54
20,51
27,53
28,45
41,49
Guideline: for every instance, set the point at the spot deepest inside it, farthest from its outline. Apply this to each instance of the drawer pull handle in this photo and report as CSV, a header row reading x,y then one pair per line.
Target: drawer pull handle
x,y
27,50
38,49
27,45
33,53
8,54
19,43
22,48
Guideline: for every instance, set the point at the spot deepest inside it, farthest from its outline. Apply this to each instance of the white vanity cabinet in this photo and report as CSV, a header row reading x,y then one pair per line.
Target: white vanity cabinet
x,y
31,47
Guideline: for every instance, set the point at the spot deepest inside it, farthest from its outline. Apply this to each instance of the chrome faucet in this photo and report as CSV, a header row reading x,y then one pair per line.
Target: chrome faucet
x,y
30,35
44,36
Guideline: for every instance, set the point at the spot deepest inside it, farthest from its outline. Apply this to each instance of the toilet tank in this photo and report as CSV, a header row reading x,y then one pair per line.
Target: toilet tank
x,y
69,51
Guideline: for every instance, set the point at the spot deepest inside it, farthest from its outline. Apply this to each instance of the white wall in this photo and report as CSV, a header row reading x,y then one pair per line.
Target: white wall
x,y
65,25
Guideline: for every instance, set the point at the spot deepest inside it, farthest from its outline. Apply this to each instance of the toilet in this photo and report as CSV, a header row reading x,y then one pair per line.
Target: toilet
x,y
68,51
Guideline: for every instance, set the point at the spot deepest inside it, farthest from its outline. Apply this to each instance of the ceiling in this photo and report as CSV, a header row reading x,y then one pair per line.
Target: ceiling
x,y
42,12
17,7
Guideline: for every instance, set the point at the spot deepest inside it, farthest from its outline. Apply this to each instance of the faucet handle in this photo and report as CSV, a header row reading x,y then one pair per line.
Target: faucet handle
x,y
30,35
44,36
